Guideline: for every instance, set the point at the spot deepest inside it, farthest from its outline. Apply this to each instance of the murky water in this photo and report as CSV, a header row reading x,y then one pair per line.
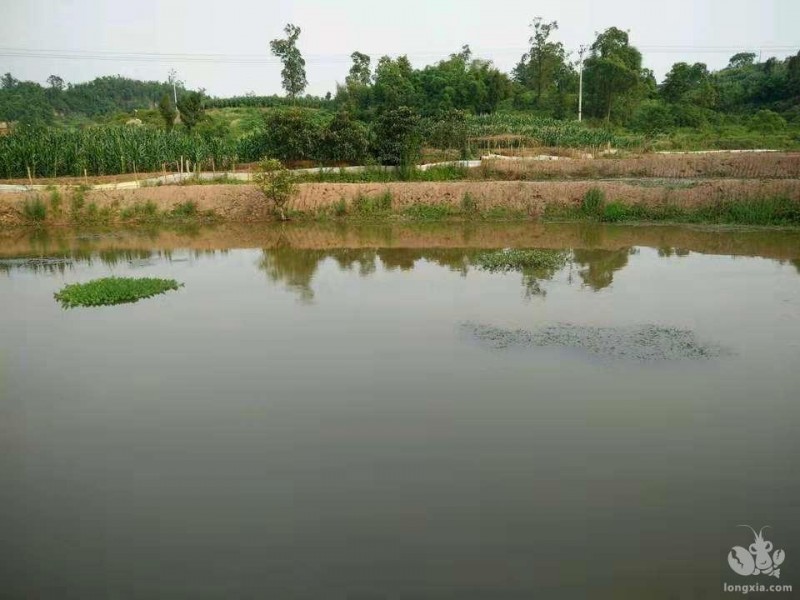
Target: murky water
x,y
321,413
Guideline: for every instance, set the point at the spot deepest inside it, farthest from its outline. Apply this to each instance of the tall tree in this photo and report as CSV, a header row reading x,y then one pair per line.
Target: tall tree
x,y
294,65
168,112
613,73
540,66
360,72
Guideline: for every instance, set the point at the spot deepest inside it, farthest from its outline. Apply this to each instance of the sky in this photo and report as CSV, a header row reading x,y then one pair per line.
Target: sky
x,y
223,46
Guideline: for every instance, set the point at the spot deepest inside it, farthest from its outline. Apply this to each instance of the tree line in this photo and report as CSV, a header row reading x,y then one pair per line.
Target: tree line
x,y
618,88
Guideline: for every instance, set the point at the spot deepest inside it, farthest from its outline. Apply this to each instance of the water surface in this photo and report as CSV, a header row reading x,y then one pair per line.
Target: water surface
x,y
312,415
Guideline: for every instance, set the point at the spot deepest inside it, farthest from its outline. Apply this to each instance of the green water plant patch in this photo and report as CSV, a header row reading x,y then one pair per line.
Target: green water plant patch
x,y
113,290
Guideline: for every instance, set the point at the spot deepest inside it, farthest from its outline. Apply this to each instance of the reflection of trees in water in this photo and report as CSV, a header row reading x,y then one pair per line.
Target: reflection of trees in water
x,y
796,263
294,268
600,265
668,251
360,259
454,259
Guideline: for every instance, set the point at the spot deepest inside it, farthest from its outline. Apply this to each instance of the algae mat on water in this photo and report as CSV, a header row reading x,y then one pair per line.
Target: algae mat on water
x,y
113,290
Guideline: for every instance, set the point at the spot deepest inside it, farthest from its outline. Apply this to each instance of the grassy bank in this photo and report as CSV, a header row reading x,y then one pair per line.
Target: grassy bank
x,y
741,202
73,208
756,211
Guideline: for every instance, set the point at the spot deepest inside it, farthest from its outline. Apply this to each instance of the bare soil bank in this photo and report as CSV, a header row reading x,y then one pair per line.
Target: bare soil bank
x,y
243,203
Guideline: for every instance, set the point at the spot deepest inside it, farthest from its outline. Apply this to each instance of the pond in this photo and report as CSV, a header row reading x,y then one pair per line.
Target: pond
x,y
330,411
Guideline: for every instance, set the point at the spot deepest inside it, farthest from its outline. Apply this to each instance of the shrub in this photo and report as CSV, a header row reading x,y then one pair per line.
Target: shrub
x,y
396,139
276,183
34,210
767,121
184,210
340,208
373,206
344,140
469,206
614,211
593,202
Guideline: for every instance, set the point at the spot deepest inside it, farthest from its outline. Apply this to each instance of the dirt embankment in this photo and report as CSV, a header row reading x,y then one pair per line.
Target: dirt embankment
x,y
243,203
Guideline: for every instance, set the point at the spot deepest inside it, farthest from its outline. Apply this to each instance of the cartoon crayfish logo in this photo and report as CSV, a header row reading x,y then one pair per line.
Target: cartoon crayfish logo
x,y
756,558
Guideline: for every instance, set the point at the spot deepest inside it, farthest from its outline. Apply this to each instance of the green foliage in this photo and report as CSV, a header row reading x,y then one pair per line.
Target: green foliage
x,y
372,206
469,205
615,211
767,121
190,107
593,202
167,111
34,211
396,137
340,208
105,151
428,212
533,130
613,75
184,210
344,140
544,69
294,66
276,183
113,290
516,259
55,201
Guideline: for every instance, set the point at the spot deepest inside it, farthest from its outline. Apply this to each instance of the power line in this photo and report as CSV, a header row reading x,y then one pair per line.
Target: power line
x,y
257,59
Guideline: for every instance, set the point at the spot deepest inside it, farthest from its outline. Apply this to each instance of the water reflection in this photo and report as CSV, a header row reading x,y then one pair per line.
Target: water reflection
x,y
292,254
600,265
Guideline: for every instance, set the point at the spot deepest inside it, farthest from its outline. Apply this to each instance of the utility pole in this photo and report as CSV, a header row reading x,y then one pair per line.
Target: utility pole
x,y
173,78
580,85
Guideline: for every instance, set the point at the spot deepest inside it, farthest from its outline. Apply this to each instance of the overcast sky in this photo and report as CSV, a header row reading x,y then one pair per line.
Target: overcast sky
x,y
709,31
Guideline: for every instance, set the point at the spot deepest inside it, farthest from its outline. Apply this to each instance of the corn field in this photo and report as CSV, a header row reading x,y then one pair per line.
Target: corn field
x,y
107,151
539,131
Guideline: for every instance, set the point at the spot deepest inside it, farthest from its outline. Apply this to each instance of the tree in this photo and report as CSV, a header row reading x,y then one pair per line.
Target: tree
x,y
276,182
397,139
360,72
168,112
613,73
190,106
294,66
55,82
541,64
742,59
689,84
8,81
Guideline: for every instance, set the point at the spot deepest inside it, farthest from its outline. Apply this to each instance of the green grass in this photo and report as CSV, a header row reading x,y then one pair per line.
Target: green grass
x,y
372,206
386,175
757,211
428,212
113,290
593,202
515,259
